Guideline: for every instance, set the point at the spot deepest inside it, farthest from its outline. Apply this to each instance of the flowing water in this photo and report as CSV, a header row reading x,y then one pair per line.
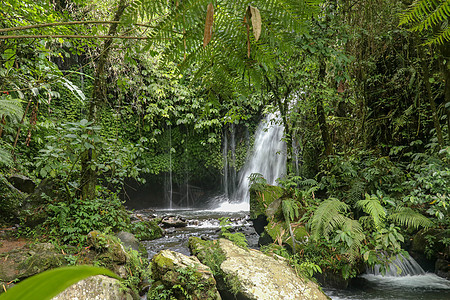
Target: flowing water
x,y
268,156
405,280
269,159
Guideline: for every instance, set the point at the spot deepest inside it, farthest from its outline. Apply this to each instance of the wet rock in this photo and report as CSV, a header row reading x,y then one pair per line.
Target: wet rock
x,y
179,276
442,268
95,287
22,183
174,221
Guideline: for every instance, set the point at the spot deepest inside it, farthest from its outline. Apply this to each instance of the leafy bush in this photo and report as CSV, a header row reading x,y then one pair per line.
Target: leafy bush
x,y
71,222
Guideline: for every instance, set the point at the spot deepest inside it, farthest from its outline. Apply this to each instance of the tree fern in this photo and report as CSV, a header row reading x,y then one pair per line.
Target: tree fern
x,y
425,14
405,216
371,205
328,216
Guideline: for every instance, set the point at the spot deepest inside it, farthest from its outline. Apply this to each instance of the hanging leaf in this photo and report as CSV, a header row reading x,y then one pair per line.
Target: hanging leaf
x,y
50,283
208,25
256,21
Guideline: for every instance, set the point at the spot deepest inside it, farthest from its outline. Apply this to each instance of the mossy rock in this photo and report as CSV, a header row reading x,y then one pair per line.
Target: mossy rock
x,y
181,277
147,230
29,260
261,199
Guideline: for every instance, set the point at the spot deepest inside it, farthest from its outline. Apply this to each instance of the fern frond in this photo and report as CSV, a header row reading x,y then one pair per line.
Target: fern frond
x,y
5,156
371,205
424,14
10,107
358,237
405,216
328,216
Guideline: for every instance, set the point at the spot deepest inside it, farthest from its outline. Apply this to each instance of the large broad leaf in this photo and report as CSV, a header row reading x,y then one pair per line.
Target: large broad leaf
x,y
50,283
208,24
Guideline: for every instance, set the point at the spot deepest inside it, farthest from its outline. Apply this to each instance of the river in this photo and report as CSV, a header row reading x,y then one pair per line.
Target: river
x,y
205,224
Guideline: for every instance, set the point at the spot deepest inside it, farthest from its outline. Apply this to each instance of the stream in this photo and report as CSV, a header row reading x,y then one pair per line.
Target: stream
x,y
205,224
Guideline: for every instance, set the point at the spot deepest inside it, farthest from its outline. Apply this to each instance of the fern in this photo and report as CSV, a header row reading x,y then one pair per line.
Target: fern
x,y
425,14
405,216
290,210
371,205
10,107
327,217
358,236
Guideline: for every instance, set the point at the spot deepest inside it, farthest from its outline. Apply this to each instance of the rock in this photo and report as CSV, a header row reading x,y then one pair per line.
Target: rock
x,y
22,183
265,277
129,241
11,200
95,287
261,199
110,249
29,260
147,230
442,268
174,221
250,274
181,276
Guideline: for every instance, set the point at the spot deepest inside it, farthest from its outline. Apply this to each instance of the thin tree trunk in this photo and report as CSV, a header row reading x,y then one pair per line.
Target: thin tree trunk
x,y
2,123
88,178
18,130
321,112
434,114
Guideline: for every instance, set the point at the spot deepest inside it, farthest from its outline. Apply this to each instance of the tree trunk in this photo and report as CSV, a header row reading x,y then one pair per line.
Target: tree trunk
x,y
321,112
445,51
88,178
434,114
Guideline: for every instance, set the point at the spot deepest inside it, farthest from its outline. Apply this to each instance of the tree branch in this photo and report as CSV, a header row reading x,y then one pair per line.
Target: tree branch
x,y
74,36
19,28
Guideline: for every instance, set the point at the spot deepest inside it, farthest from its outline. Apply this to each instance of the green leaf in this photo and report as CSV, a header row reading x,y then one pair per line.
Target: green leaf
x,y
50,283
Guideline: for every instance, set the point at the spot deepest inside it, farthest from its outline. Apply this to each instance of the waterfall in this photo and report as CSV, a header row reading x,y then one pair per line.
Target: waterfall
x,y
170,169
400,266
225,164
268,156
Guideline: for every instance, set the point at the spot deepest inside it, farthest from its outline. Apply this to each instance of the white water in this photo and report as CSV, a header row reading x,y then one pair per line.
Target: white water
x,y
400,266
268,157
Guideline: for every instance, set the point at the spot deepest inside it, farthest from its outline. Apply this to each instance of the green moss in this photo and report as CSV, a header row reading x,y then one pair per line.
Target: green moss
x,y
163,262
261,199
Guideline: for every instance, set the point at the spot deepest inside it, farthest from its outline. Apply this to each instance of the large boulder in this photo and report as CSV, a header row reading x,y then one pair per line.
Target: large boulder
x,y
95,287
29,260
252,274
22,183
182,277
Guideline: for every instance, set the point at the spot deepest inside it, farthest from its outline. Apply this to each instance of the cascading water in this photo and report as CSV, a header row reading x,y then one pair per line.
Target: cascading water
x,y
400,266
404,280
268,156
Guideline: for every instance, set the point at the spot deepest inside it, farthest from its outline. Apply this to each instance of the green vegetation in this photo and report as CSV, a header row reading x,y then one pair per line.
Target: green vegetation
x,y
95,94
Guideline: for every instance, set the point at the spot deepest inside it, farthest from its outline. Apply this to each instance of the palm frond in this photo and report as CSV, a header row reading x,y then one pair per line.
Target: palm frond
x,y
371,205
328,216
405,216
